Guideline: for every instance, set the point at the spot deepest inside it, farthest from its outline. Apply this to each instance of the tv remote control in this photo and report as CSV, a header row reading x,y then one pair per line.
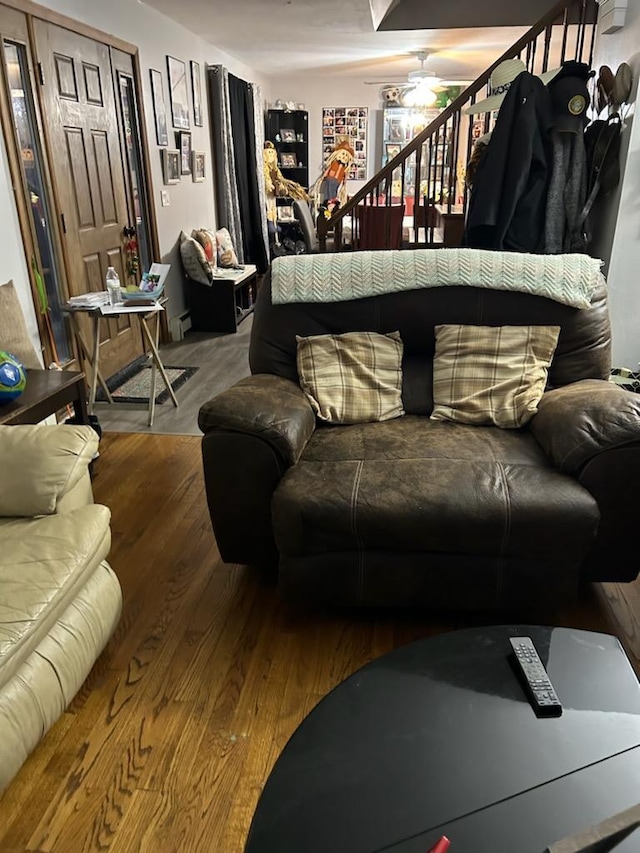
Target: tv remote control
x,y
542,696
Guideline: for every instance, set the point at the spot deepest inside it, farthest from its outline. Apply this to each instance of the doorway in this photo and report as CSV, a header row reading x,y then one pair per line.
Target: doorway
x,y
79,107
83,174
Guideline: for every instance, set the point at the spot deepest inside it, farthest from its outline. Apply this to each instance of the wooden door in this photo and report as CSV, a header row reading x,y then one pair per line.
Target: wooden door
x,y
82,128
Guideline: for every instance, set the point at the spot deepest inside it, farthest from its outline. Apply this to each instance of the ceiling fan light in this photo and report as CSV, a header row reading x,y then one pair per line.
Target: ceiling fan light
x,y
420,96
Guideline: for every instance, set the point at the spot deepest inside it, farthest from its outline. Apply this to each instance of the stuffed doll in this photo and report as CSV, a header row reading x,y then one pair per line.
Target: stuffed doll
x,y
332,184
275,183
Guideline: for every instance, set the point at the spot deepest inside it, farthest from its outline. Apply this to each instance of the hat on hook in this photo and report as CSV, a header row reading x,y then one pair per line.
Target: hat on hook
x,y
622,84
500,82
570,97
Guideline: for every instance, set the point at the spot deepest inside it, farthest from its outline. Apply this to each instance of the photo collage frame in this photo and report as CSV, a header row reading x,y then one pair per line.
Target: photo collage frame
x,y
347,123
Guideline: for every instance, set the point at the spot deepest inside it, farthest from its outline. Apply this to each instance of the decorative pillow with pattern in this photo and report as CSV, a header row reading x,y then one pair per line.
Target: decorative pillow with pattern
x,y
207,240
491,374
226,252
352,378
194,260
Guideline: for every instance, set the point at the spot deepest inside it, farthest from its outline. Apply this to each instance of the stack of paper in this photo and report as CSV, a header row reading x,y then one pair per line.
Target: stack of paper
x,y
93,299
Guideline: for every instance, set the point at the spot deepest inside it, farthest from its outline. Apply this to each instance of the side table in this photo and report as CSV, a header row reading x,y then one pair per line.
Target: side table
x,y
46,393
438,738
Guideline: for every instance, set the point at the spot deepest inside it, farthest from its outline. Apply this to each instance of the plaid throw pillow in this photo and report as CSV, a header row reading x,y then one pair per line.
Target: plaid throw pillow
x,y
352,378
491,375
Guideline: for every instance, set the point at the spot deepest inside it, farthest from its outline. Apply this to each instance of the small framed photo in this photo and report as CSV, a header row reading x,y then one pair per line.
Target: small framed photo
x,y
184,144
159,109
288,134
198,170
171,165
196,91
178,93
285,213
392,149
395,129
288,160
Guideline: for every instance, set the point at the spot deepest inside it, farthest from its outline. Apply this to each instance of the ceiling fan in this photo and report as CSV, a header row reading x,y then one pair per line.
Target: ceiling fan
x,y
420,87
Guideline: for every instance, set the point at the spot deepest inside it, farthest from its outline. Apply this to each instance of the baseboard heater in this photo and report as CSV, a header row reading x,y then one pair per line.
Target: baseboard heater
x,y
179,325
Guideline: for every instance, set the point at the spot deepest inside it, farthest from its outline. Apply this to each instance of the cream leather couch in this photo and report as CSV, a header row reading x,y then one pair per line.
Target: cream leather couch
x,y
59,599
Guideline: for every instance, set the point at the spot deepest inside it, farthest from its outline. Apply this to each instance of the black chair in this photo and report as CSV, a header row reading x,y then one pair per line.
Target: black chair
x,y
305,219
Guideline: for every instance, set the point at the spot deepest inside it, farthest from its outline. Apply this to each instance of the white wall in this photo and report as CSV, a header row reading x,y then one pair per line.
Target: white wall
x,y
319,92
618,216
192,204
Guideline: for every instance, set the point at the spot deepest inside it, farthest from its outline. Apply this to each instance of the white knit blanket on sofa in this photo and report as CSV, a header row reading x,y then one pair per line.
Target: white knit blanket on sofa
x,y
341,276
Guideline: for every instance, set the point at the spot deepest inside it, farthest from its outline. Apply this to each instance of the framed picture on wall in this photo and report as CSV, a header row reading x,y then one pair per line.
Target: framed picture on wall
x,y
178,93
196,91
184,144
198,171
159,109
170,165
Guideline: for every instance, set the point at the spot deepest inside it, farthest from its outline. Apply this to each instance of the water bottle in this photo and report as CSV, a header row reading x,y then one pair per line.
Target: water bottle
x,y
113,286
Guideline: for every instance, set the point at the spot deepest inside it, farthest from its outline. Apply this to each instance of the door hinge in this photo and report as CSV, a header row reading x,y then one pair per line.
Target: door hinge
x,y
64,224
40,74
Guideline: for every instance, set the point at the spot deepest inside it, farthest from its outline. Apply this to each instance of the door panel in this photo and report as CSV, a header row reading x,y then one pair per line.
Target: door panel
x,y
80,108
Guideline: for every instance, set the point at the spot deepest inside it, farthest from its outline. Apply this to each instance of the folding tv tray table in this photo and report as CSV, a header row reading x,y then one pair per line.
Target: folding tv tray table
x,y
91,352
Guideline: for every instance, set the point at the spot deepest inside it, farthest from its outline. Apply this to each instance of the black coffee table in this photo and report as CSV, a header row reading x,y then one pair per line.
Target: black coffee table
x,y
438,738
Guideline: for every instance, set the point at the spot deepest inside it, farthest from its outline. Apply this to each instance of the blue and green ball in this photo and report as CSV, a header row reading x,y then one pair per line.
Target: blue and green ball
x,y
13,377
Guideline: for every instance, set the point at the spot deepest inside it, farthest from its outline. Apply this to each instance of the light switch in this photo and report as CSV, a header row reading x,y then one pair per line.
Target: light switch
x,y
165,198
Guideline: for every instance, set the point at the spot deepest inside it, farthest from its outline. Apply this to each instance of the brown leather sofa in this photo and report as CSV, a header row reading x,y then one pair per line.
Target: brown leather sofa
x,y
415,511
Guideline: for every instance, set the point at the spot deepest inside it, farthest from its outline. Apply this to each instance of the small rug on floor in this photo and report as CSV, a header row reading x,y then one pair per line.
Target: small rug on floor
x,y
132,384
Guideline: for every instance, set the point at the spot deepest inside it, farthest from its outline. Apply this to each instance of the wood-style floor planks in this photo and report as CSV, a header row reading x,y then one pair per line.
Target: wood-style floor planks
x,y
221,359
168,745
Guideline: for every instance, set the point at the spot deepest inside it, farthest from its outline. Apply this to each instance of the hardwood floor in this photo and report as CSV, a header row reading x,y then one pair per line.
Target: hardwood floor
x,y
221,361
168,745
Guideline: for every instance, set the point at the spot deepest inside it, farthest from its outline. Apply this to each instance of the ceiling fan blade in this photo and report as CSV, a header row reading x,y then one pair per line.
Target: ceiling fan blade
x,y
399,82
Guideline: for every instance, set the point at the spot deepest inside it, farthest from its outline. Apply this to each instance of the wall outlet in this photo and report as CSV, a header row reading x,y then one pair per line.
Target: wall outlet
x,y
165,199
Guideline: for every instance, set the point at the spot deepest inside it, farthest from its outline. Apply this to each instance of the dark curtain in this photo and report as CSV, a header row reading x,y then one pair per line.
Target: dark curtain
x,y
244,151
236,166
224,170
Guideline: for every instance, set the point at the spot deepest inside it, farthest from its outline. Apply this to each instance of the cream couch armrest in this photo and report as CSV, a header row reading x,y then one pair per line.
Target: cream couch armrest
x,y
40,464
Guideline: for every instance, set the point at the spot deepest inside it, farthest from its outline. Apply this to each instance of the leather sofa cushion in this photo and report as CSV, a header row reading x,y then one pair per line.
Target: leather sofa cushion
x,y
39,465
414,437
49,677
431,494
43,564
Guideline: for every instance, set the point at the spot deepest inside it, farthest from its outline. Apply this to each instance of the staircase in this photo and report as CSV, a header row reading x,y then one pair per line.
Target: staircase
x,y
438,155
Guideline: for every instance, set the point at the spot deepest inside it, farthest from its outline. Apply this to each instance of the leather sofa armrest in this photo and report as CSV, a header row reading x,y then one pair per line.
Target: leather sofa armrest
x,y
40,464
268,407
577,422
